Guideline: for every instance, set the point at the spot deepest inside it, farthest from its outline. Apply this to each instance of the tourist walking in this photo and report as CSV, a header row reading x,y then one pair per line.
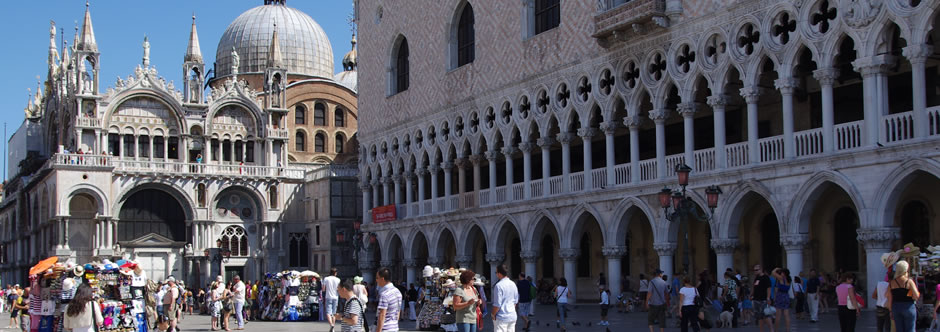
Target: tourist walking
x,y
170,305
730,294
388,308
902,297
782,297
799,294
83,314
239,299
562,295
216,290
412,303
505,299
882,314
353,317
466,303
656,302
605,305
760,297
689,311
525,299
812,295
849,309
644,287
533,294
330,284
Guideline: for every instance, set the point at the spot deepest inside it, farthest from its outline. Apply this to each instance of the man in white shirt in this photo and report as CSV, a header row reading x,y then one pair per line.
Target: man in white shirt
x,y
330,284
239,299
505,299
169,302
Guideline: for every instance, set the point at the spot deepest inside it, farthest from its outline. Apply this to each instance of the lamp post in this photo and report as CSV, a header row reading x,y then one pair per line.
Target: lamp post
x,y
682,206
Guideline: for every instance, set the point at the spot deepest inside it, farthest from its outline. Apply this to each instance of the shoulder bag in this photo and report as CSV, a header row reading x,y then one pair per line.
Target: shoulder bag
x,y
698,301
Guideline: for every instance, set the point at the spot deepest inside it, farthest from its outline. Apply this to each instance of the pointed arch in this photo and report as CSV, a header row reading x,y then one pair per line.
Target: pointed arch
x,y
798,217
891,189
624,211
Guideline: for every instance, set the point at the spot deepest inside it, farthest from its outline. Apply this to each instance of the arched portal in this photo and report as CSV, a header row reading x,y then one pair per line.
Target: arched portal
x,y
586,236
396,254
640,257
758,230
419,250
476,248
508,243
912,206
833,222
693,244
151,213
82,209
447,247
544,240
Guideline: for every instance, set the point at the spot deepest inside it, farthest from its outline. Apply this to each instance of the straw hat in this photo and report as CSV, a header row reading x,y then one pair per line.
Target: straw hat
x,y
427,272
909,250
888,259
78,270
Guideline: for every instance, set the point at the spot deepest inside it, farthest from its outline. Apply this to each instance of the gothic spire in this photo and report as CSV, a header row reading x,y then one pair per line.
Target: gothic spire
x,y
192,50
53,49
274,59
87,41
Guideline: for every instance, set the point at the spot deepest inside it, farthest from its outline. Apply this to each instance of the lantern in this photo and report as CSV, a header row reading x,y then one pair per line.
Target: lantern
x,y
711,195
373,239
664,197
677,200
682,171
340,237
357,224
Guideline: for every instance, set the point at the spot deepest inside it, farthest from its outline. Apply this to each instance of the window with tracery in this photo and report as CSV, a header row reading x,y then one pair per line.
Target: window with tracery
x,y
235,239
299,250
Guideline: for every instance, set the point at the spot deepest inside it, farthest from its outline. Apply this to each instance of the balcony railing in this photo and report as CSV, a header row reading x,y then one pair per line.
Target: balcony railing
x,y
577,181
622,174
82,160
647,169
277,132
119,165
933,121
809,142
624,16
737,154
599,178
848,135
556,185
674,160
704,160
331,171
88,122
771,148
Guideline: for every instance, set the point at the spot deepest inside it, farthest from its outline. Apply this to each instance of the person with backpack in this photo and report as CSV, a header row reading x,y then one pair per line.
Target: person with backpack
x,y
353,318
656,302
562,295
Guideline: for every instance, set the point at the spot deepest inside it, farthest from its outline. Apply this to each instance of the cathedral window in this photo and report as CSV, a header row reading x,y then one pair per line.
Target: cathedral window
x,y
158,143
173,148
339,118
547,15
129,145
239,148
226,150
234,238
300,142
465,36
249,152
143,144
340,142
319,114
299,249
114,143
399,74
319,143
300,114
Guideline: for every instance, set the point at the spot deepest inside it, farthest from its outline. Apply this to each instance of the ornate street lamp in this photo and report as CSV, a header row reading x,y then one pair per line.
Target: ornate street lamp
x,y
681,204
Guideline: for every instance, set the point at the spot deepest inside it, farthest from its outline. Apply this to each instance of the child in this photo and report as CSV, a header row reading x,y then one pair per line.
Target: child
x,y
605,305
746,304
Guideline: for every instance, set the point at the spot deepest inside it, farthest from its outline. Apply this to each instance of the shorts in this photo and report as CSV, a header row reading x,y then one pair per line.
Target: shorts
x,y
759,309
657,316
604,308
331,306
14,313
524,308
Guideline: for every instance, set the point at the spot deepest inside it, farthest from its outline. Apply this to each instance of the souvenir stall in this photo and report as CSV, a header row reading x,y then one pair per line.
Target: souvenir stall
x,y
924,268
309,295
437,311
290,296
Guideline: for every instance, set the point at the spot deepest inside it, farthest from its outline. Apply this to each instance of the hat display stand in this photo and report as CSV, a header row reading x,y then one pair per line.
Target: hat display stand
x,y
290,296
437,311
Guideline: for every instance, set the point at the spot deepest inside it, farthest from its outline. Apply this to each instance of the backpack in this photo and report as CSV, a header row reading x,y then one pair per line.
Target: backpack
x,y
179,298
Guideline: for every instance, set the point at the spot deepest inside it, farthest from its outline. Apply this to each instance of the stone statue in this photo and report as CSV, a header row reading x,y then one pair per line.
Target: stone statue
x,y
146,52
276,90
235,61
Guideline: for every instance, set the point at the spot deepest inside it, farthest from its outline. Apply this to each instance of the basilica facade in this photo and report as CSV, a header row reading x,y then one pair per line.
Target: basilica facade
x,y
166,173
540,134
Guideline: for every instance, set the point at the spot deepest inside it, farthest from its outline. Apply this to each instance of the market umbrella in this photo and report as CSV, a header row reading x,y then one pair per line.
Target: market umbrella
x,y
43,265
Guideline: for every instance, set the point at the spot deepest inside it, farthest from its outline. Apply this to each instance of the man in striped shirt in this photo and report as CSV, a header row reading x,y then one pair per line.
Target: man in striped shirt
x,y
389,302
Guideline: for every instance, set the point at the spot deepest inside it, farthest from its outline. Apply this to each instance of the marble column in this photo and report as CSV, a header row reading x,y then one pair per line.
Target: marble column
x,y
565,140
366,204
386,197
530,258
435,170
367,267
787,87
826,78
508,151
873,71
687,111
411,271
375,192
724,250
526,148
476,159
614,256
492,156
448,168
494,260
876,242
545,143
751,96
65,231
570,258
396,179
461,164
794,245
633,123
421,173
409,191
666,253
659,117
610,128
587,134
718,102
917,55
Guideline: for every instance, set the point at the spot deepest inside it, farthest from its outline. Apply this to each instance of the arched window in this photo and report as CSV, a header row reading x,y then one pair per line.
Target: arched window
x,y
465,36
272,196
300,114
300,142
319,143
299,250
233,238
339,118
319,114
340,142
400,72
547,15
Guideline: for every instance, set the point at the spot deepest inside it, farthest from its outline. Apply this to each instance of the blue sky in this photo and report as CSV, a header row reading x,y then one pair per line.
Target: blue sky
x,y
120,27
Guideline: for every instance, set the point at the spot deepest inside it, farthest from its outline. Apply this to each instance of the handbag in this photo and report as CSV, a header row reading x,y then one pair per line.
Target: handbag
x,y
479,312
698,301
769,310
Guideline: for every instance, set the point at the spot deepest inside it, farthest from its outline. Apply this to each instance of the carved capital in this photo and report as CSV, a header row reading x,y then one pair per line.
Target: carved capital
x,y
633,121
491,155
508,151
665,249
724,246
434,169
878,238
464,260
786,85
397,178
421,171
874,65
751,94
409,263
364,186
387,180
545,142
435,260
564,138
569,254
447,166
526,147
917,53
409,175
530,256
387,263
688,109
615,251
609,127
375,182
793,242
461,163
718,101
476,159
826,76
660,115
366,265
587,133
495,258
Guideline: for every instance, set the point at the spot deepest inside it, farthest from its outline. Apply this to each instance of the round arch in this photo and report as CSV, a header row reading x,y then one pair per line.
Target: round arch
x,y
176,110
232,199
100,198
244,106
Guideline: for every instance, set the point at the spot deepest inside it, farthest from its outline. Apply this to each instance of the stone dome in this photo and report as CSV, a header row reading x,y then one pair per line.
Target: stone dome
x,y
305,48
348,79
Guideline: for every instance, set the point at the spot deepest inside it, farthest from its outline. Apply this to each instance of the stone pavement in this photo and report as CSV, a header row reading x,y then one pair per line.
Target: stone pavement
x,y
543,314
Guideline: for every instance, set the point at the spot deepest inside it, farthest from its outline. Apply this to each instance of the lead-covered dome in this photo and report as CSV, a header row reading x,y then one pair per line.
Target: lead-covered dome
x,y
305,49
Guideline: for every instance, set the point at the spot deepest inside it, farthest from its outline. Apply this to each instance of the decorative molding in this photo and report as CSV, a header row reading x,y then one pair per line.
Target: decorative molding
x,y
878,238
587,132
545,142
569,254
793,242
718,101
565,138
609,127
530,256
526,147
859,13
665,249
615,251
495,258
147,78
725,246
660,115
826,76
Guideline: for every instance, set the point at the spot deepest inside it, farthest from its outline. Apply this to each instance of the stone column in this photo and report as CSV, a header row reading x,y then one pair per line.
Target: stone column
x,y
367,267
375,192
386,197
687,111
65,232
876,241
751,96
136,147
724,250
873,71
587,134
614,255
409,192
448,168
565,140
526,148
476,159
570,257
666,253
508,151
434,169
609,128
718,103
530,258
397,188
546,144
421,173
917,55
492,155
659,117
461,175
633,123
366,204
411,271
464,261
494,260
826,78
794,245
787,87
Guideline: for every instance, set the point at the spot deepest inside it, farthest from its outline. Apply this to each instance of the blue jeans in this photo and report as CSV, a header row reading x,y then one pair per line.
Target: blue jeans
x,y
239,317
905,316
466,327
562,312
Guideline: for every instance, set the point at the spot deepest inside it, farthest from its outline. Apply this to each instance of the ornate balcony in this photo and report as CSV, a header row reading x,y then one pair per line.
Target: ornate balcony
x,y
634,15
88,122
282,133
